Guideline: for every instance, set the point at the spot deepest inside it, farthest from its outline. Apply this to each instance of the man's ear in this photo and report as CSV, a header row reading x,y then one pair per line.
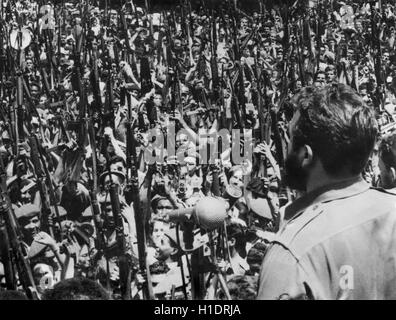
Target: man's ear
x,y
306,156
174,251
232,241
393,175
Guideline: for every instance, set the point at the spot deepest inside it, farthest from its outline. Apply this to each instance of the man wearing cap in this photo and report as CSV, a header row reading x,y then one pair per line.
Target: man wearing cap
x,y
330,73
35,91
338,240
161,206
95,26
184,145
31,72
75,199
364,93
166,252
41,247
109,227
23,191
28,217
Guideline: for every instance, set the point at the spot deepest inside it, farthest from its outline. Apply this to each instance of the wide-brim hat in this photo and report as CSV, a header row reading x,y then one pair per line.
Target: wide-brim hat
x,y
106,173
157,198
27,211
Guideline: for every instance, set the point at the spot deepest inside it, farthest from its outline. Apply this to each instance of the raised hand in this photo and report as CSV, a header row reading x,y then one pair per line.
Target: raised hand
x,y
45,239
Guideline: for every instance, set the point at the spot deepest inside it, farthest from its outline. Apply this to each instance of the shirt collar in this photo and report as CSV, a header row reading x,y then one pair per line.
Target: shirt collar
x,y
393,191
343,189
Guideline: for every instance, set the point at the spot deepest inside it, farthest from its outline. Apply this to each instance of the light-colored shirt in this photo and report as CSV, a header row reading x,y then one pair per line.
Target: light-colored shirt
x,y
338,242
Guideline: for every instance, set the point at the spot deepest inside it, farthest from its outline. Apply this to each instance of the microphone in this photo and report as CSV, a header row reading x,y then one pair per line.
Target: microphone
x,y
209,213
232,194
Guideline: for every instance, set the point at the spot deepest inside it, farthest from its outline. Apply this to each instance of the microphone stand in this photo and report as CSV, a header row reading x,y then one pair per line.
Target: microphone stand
x,y
181,263
218,276
197,280
199,266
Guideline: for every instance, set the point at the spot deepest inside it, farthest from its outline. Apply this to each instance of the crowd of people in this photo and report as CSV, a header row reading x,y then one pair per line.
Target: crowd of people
x,y
89,94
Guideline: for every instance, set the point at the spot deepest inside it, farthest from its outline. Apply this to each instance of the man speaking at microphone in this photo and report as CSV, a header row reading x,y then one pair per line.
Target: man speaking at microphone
x,y
337,241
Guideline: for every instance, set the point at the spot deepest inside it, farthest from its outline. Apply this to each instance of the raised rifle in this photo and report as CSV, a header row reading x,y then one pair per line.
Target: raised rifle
x,y
17,254
318,32
46,220
132,195
263,127
5,249
237,51
80,126
124,260
125,36
213,61
95,114
379,73
241,95
42,67
108,118
172,79
299,57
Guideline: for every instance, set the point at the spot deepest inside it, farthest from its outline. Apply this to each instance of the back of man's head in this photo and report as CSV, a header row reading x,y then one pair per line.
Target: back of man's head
x,y
339,127
77,289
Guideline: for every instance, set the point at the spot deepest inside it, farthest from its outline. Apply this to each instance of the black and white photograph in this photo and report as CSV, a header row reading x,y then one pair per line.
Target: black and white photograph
x,y
201,150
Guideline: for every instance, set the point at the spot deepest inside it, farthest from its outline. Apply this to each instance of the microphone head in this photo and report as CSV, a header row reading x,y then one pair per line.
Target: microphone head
x,y
210,213
232,192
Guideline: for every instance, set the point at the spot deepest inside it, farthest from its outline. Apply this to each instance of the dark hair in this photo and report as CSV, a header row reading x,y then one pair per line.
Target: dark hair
x,y
236,231
318,73
179,253
339,127
241,288
363,86
330,68
159,267
255,257
232,171
309,75
116,159
76,289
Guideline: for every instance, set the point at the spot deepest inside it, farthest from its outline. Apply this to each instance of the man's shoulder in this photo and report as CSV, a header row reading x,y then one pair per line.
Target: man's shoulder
x,y
381,198
324,221
391,192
